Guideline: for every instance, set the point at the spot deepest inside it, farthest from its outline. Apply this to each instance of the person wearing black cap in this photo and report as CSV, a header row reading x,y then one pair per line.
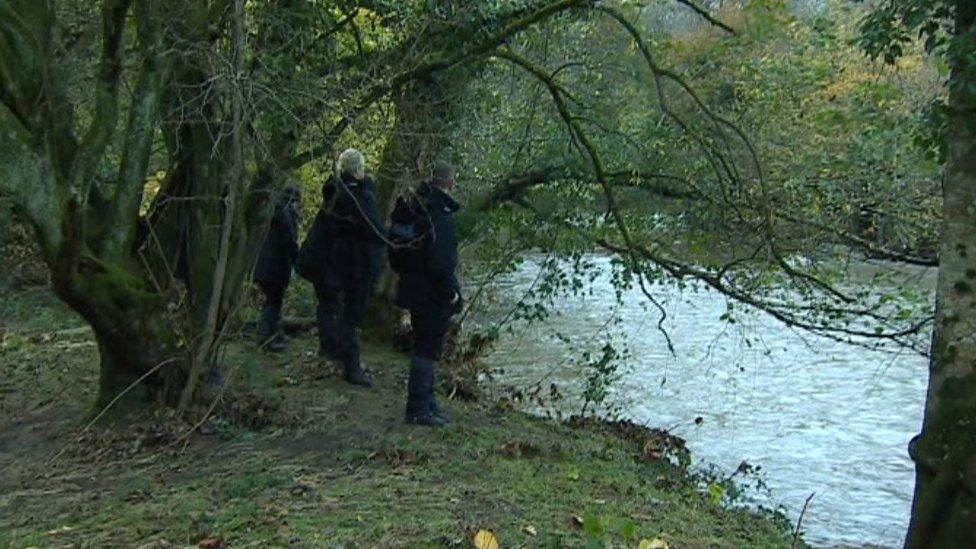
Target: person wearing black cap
x,y
273,270
424,254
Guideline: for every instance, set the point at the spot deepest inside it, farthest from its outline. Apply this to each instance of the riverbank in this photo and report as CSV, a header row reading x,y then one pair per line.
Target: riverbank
x,y
300,458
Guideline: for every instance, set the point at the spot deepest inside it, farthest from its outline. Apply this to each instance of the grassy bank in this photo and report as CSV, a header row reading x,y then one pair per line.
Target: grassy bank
x,y
301,459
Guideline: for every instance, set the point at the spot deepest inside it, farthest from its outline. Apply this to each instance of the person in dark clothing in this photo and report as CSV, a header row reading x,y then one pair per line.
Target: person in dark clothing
x,y
425,257
273,270
313,263
353,264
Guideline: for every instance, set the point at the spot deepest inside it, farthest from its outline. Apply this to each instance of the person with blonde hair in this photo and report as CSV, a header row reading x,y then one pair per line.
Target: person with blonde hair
x,y
343,256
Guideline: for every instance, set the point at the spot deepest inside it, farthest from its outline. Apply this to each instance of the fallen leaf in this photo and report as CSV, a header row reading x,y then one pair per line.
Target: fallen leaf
x,y
575,521
573,474
656,543
59,531
511,448
520,448
401,457
653,450
486,539
530,530
211,543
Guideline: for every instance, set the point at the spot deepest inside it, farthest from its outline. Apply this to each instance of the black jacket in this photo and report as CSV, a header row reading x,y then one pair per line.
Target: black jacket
x,y
315,255
357,252
430,282
344,246
281,244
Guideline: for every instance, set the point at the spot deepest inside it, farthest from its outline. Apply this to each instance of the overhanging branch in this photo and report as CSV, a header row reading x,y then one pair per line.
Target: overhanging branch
x,y
479,49
707,16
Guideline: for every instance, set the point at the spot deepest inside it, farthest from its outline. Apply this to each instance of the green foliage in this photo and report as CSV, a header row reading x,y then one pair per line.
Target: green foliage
x,y
889,30
600,372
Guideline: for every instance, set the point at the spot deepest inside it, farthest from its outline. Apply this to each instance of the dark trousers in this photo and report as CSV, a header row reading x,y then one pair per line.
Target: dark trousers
x,y
340,313
429,330
270,322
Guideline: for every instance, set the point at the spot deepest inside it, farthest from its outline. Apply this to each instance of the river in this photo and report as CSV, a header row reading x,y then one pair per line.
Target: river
x,y
818,416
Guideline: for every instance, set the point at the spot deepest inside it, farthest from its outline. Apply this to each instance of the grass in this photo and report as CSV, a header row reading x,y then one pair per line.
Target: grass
x,y
333,465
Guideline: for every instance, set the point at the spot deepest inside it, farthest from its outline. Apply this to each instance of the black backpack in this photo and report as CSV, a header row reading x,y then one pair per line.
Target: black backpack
x,y
317,245
408,235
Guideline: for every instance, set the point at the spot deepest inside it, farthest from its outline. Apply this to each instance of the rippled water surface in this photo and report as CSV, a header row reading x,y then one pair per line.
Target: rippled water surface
x,y
817,415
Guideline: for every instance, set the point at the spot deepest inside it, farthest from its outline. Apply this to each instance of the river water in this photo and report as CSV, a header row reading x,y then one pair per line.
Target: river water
x,y
817,415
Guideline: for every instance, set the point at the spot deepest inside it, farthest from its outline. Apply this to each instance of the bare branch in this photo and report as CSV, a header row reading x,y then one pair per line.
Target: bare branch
x,y
707,16
476,50
634,252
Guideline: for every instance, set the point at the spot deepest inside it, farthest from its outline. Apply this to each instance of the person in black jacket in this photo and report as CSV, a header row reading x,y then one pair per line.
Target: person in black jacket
x,y
313,263
273,270
355,262
428,285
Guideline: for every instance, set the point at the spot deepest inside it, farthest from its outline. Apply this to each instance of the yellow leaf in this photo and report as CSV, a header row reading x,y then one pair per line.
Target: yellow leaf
x,y
486,539
59,531
656,543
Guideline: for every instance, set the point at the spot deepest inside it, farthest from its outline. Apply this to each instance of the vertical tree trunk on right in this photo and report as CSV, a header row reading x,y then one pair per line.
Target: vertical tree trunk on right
x,y
944,507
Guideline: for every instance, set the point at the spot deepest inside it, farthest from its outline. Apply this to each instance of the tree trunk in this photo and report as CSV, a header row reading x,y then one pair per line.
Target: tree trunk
x,y
944,507
134,375
141,358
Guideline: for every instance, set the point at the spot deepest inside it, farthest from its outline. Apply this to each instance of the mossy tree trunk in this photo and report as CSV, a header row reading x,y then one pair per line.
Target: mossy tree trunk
x,y
156,332
944,508
87,227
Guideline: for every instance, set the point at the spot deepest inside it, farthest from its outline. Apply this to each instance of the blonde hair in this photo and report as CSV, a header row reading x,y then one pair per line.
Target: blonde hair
x,y
351,162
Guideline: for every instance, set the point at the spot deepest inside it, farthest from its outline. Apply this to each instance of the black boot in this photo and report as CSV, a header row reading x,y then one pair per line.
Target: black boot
x,y
432,399
419,384
269,330
328,340
353,373
352,370
276,344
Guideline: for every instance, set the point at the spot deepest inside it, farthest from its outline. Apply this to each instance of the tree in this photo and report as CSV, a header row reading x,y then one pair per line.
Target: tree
x,y
945,451
86,228
158,273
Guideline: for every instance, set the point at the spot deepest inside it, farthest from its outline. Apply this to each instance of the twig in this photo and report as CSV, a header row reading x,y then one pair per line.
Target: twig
x,y
707,16
799,521
108,406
